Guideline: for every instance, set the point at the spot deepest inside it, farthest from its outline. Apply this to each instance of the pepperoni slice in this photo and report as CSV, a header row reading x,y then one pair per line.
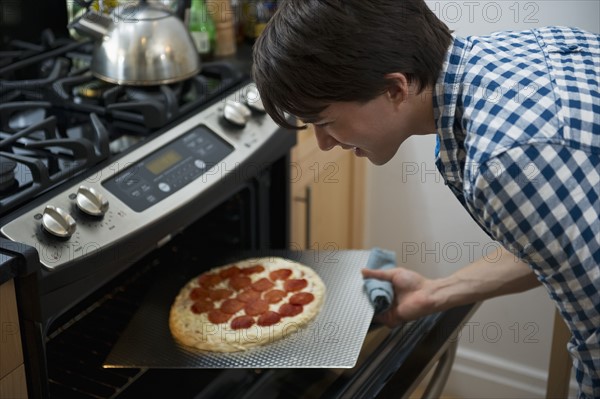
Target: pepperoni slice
x,y
248,295
209,280
268,318
253,269
262,285
256,307
295,284
231,306
201,307
302,298
230,272
219,294
239,282
280,274
289,310
217,317
274,296
199,293
242,322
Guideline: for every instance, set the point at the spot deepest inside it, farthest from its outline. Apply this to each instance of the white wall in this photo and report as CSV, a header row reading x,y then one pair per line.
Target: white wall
x,y
504,349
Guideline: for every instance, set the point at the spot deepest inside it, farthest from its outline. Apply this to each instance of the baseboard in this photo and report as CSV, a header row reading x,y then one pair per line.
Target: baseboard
x,y
479,375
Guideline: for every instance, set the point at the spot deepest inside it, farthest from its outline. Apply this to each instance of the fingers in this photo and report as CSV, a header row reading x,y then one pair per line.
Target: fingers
x,y
388,318
386,274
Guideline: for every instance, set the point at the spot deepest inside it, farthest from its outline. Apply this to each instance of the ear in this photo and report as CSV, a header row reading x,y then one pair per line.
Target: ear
x,y
397,87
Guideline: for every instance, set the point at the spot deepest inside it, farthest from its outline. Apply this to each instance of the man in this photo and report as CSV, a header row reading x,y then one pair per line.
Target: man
x,y
517,117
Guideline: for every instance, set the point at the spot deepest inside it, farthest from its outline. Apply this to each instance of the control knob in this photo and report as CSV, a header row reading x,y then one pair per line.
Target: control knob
x,y
91,201
58,222
236,113
253,100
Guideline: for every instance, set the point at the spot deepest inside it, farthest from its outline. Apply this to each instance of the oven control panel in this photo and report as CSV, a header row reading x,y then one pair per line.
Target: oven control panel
x,y
169,169
146,184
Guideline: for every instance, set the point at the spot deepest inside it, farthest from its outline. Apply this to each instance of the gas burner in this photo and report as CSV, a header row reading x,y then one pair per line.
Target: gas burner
x,y
34,67
143,109
93,90
156,93
168,95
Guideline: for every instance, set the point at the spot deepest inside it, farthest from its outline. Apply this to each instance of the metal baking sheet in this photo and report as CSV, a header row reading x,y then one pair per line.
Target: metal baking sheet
x,y
332,340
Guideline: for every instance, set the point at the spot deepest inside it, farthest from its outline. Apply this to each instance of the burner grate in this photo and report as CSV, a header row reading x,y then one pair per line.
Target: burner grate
x,y
36,154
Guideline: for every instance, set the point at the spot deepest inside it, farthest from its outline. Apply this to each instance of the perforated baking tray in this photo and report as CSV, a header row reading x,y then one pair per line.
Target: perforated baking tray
x,y
332,340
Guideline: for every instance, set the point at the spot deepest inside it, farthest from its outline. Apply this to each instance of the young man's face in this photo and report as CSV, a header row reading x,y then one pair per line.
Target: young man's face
x,y
375,129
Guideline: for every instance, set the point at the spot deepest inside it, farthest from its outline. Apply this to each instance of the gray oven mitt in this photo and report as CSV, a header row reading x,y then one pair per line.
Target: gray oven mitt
x,y
381,293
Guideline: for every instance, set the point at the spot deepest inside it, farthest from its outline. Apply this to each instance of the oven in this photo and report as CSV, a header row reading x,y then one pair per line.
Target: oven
x,y
105,188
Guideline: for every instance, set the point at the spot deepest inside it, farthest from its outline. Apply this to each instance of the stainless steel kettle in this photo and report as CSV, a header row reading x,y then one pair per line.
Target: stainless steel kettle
x,y
140,44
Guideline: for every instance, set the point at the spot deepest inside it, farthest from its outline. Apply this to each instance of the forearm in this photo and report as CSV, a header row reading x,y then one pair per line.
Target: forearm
x,y
495,275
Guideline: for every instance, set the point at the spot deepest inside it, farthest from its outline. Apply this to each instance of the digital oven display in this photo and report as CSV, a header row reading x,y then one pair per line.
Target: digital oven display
x,y
163,162
169,169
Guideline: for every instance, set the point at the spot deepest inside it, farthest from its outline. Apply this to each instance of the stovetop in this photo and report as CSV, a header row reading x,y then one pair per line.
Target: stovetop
x,y
57,120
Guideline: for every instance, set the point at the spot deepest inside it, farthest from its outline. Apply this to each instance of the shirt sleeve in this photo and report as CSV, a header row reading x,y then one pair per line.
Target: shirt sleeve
x,y
542,203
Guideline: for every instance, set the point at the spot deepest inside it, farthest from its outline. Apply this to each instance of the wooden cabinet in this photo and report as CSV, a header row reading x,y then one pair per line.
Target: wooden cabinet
x,y
327,196
12,371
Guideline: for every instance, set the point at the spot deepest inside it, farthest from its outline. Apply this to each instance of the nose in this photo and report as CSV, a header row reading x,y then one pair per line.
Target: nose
x,y
324,141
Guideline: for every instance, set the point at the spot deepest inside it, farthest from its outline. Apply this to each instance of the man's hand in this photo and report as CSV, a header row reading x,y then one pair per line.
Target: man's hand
x,y
412,295
416,296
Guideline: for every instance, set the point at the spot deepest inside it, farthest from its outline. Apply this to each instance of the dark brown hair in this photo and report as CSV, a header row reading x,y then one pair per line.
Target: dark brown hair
x,y
316,52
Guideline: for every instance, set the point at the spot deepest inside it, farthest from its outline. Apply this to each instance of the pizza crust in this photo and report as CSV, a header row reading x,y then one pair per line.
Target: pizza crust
x,y
195,330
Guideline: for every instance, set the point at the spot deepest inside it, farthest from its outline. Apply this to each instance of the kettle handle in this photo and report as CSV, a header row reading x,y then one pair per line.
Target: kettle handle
x,y
92,24
84,4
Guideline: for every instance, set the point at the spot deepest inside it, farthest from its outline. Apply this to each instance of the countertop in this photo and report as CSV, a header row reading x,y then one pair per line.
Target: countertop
x,y
16,259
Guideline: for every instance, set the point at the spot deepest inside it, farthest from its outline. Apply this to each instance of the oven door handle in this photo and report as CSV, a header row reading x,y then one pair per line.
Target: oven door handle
x,y
438,380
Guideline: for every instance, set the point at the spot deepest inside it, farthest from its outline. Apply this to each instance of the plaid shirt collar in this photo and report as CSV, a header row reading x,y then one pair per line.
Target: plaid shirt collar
x,y
450,154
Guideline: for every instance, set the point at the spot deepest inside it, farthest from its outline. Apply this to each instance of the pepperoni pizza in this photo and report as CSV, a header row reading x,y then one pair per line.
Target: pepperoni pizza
x,y
247,304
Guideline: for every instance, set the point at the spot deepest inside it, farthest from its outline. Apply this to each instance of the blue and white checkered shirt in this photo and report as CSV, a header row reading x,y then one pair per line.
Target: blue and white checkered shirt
x,y
518,120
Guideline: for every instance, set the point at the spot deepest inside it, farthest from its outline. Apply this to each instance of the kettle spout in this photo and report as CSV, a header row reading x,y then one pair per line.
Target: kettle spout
x,y
92,24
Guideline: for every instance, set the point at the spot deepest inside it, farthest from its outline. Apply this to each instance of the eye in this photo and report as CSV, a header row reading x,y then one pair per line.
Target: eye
x,y
322,124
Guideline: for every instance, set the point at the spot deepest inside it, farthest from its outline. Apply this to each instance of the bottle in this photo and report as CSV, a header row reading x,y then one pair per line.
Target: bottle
x,y
264,11
238,21
257,13
202,28
223,16
248,19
